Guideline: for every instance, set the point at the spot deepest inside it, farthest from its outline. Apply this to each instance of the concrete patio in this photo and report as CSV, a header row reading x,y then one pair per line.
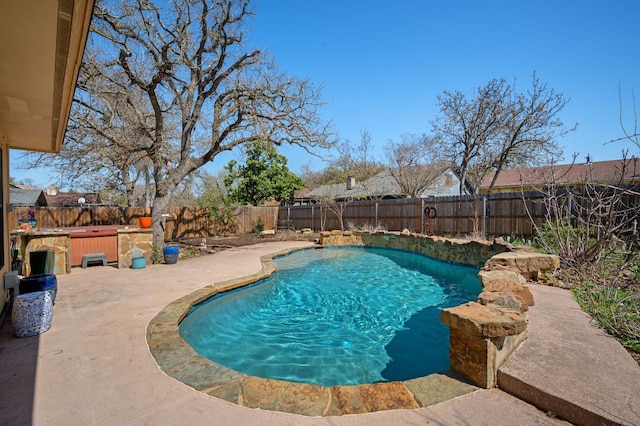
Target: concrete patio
x,y
93,367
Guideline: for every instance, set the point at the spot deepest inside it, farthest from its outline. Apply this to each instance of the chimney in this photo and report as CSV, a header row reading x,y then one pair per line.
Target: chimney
x,y
351,182
52,190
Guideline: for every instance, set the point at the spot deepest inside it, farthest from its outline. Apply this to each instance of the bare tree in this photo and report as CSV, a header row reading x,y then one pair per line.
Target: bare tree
x,y
192,87
497,129
354,159
412,162
629,133
335,206
594,222
309,176
466,126
531,126
100,150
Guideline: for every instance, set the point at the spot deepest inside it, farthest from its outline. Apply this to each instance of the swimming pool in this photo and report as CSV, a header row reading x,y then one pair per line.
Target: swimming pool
x,y
335,316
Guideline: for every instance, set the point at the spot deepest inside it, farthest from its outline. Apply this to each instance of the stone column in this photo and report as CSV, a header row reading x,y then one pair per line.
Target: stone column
x,y
131,241
481,336
58,241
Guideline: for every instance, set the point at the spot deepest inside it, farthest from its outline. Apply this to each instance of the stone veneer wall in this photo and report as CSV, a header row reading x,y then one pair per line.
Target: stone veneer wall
x,y
466,252
29,241
485,332
128,240
135,239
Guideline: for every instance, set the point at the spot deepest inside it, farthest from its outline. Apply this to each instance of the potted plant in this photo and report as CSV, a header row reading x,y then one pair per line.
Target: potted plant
x,y
32,218
28,221
23,223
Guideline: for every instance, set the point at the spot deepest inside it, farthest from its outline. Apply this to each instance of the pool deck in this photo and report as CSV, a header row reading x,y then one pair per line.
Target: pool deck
x,y
94,367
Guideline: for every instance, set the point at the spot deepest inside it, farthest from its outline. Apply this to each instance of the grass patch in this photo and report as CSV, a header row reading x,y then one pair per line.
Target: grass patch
x,y
191,252
615,310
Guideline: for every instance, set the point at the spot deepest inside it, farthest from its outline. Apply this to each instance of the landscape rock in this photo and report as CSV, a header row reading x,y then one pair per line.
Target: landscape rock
x,y
522,293
499,298
486,276
529,265
484,321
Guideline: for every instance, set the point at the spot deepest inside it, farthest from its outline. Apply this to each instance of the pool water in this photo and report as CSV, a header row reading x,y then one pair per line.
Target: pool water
x,y
336,316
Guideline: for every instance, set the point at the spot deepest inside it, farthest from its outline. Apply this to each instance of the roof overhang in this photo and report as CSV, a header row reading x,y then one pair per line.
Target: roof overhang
x,y
40,56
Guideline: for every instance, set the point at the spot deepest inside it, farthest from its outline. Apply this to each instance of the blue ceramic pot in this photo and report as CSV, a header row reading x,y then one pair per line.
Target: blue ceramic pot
x,y
41,282
138,262
32,313
171,254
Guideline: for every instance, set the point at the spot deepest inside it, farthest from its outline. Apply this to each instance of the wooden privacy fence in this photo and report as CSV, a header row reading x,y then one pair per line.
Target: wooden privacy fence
x,y
493,215
178,222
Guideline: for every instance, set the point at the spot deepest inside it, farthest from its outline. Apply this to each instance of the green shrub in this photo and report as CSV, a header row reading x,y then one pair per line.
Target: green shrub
x,y
156,254
615,310
191,251
258,226
224,219
576,245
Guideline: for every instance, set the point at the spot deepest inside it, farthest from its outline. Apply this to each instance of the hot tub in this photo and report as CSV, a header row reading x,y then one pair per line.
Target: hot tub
x,y
93,239
70,244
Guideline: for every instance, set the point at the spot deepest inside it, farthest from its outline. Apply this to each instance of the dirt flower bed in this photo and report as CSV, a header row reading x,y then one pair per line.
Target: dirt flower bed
x,y
193,247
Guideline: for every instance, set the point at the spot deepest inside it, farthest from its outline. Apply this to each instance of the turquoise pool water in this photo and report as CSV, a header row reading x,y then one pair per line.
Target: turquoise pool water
x,y
336,316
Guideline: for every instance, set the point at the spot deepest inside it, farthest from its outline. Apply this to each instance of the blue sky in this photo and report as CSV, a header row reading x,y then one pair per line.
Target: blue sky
x,y
383,63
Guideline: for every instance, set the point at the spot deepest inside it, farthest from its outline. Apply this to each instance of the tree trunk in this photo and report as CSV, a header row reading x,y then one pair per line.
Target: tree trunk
x,y
463,181
493,181
160,206
147,188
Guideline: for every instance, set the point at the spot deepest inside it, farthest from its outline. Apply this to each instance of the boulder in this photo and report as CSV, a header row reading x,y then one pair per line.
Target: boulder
x,y
502,273
500,298
520,292
484,321
529,265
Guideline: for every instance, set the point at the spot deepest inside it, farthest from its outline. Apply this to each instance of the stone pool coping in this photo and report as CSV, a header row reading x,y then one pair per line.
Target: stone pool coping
x,y
176,358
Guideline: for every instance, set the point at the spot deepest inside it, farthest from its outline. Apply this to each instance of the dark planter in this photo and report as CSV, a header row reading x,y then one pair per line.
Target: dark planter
x,y
40,282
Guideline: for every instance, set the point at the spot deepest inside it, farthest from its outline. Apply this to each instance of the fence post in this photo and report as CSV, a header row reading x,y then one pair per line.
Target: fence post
x,y
375,225
313,225
484,217
422,216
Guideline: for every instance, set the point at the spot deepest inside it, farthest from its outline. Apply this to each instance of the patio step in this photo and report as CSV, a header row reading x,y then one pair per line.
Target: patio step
x,y
93,258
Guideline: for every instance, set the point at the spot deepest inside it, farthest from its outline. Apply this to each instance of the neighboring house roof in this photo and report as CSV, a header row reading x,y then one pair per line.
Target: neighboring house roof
x,y
299,193
382,185
19,197
602,172
66,199
21,186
